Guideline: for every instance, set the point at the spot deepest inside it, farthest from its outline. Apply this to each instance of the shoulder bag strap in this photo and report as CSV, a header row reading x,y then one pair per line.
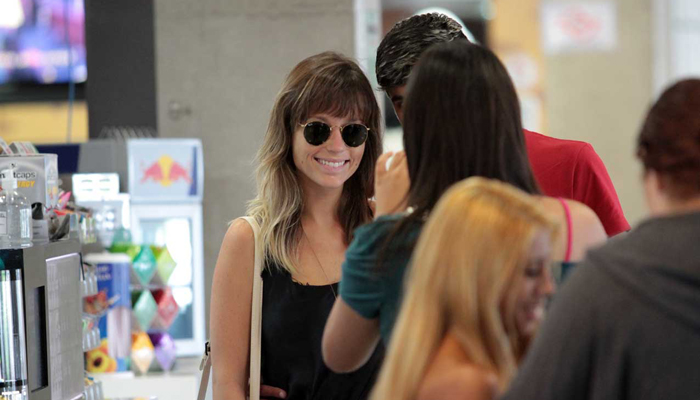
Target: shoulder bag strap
x,y
255,327
256,314
205,367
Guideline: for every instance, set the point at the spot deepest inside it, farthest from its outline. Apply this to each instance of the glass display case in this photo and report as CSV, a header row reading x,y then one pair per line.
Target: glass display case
x,y
179,229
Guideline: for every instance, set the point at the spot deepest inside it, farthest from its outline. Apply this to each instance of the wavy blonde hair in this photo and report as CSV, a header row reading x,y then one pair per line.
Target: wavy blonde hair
x,y
327,83
468,262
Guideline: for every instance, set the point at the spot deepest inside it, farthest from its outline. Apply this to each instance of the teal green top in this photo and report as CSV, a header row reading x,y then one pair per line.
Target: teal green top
x,y
562,270
372,290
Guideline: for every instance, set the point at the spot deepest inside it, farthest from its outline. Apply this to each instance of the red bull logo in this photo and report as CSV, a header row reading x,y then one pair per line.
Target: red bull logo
x,y
166,171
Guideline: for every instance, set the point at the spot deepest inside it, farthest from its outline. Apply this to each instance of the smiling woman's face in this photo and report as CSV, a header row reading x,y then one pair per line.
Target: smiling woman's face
x,y
333,162
535,287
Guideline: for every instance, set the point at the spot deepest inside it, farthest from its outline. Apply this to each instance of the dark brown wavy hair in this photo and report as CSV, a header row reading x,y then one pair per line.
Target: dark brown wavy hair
x,y
669,141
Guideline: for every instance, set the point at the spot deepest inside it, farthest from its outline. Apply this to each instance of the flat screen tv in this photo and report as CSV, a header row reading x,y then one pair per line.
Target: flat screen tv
x,y
42,45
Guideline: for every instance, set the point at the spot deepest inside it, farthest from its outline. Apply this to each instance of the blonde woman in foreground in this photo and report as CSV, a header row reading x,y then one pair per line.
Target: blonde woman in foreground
x,y
475,302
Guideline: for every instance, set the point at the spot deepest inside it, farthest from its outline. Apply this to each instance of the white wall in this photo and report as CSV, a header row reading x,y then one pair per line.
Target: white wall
x,y
601,98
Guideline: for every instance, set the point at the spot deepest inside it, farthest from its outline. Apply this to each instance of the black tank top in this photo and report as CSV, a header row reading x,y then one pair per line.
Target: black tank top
x,y
293,318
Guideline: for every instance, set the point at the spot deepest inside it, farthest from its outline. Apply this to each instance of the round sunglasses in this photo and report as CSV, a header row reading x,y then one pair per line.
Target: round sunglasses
x,y
316,133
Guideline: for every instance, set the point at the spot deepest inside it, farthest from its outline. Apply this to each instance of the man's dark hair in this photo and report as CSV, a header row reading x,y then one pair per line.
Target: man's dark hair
x,y
407,40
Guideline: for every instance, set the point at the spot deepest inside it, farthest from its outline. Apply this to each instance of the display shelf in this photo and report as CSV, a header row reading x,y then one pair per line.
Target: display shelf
x,y
52,305
93,390
52,250
89,281
91,339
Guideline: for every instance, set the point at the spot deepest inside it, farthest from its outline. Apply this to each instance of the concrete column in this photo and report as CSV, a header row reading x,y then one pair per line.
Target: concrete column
x,y
219,65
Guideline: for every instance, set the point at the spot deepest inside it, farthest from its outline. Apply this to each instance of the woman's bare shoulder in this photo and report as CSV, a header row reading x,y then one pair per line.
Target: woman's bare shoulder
x,y
586,222
238,246
464,382
584,219
239,233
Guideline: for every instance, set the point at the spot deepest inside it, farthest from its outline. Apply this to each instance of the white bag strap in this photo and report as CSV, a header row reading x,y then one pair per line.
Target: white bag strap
x,y
205,367
256,314
255,326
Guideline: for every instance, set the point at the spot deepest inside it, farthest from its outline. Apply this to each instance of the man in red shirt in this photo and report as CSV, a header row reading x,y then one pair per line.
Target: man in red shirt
x,y
563,168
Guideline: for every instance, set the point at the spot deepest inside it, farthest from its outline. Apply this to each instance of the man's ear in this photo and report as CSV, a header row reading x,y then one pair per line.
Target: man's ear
x,y
656,180
654,190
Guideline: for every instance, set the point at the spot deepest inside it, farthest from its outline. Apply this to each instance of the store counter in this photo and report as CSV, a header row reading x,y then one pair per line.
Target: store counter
x,y
181,383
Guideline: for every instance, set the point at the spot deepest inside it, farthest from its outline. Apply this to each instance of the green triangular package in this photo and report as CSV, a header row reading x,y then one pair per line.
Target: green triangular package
x,y
165,265
121,241
145,309
144,266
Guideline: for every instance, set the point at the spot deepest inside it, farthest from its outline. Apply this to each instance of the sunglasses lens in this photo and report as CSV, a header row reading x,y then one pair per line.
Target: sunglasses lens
x,y
355,134
316,133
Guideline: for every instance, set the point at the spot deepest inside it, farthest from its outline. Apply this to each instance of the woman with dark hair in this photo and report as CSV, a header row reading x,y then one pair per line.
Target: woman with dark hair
x,y
315,178
461,119
627,323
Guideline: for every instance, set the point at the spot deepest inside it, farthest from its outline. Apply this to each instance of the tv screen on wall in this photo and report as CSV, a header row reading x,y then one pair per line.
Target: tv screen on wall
x,y
42,42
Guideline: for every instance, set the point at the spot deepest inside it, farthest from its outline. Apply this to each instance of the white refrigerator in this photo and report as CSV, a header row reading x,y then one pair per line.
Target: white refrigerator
x,y
165,183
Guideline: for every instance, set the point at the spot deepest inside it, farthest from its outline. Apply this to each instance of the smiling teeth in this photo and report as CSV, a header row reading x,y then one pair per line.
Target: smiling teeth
x,y
332,164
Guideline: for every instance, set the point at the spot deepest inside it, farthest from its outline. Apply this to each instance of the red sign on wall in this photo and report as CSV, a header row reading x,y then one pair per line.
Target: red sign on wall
x,y
578,26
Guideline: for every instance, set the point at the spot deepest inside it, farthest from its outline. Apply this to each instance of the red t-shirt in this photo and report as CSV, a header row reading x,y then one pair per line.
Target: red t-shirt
x,y
572,170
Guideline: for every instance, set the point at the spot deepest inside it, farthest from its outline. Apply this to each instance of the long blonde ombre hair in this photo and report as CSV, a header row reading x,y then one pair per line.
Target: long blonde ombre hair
x,y
469,260
327,83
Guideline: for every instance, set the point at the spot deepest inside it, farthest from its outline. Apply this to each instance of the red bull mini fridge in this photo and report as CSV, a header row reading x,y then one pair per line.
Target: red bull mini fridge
x,y
165,183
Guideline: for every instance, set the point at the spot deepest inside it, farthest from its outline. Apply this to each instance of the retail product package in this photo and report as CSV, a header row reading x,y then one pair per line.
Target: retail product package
x,y
142,352
113,306
168,308
164,349
37,176
142,259
4,147
165,265
143,267
145,309
23,148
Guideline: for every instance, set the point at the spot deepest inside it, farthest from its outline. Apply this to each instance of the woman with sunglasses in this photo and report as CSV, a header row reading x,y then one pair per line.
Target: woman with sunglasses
x,y
315,178
461,119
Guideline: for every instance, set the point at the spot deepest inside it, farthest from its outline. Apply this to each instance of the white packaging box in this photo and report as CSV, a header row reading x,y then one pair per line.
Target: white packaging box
x,y
37,176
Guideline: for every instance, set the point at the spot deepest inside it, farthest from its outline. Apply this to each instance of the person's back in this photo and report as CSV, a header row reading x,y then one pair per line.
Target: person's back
x,y
626,324
452,376
571,169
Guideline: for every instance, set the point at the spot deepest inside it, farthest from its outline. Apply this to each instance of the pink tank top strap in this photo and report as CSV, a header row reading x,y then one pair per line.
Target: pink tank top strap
x,y
569,233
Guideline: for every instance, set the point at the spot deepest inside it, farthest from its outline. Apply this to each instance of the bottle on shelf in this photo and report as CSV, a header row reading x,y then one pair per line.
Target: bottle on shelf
x,y
15,214
40,226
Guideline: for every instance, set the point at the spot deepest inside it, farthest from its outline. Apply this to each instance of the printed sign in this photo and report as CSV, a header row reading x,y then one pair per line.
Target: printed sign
x,y
165,170
578,26
522,68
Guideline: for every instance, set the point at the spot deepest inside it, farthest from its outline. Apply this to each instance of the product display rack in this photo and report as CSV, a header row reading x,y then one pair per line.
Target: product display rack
x,y
53,318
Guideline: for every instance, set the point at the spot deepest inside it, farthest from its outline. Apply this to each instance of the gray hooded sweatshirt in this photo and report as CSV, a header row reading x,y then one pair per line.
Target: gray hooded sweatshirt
x,y
626,324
